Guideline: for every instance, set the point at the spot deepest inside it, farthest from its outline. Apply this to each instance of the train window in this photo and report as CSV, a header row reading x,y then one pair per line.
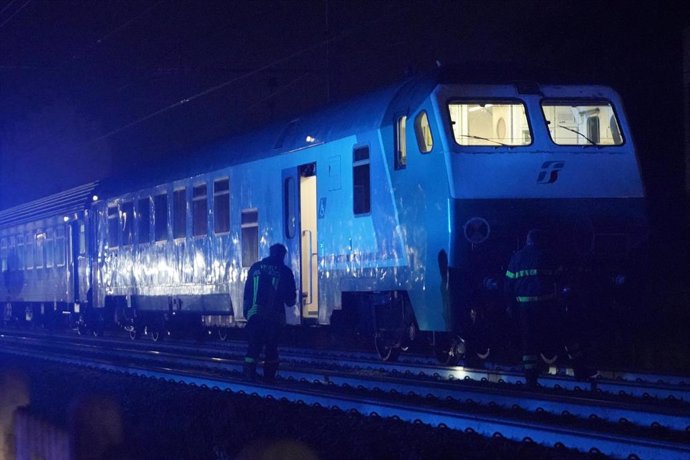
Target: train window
x,y
113,226
19,251
127,219
422,131
400,142
221,206
29,252
361,181
199,210
593,129
250,236
489,123
82,239
49,246
290,207
179,213
578,122
160,209
3,255
60,246
39,249
144,220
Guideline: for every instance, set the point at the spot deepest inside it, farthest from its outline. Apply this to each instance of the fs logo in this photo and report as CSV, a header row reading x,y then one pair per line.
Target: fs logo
x,y
549,172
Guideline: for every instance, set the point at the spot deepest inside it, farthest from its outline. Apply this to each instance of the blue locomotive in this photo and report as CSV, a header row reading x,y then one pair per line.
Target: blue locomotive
x,y
400,210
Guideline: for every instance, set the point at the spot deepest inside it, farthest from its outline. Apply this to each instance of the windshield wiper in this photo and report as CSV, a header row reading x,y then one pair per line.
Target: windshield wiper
x,y
484,139
578,133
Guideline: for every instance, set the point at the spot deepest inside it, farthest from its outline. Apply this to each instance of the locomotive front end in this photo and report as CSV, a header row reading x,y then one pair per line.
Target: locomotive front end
x,y
557,158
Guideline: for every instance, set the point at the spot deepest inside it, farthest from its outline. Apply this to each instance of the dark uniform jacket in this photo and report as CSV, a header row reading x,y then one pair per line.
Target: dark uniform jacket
x,y
270,286
531,275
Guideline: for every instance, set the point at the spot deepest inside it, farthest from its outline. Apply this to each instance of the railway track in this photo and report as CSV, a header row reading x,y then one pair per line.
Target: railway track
x,y
460,399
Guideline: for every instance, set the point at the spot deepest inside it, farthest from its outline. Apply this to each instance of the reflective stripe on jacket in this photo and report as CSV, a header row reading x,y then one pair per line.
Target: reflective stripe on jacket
x,y
531,275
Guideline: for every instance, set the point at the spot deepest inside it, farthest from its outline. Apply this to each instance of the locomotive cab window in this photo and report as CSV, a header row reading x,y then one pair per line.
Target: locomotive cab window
x,y
361,181
582,123
422,131
489,123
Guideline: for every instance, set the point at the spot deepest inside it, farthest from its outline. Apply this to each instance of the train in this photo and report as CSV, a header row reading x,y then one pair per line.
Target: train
x,y
400,209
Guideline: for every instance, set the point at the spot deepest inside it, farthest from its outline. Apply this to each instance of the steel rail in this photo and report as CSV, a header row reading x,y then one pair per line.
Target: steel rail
x,y
549,435
580,405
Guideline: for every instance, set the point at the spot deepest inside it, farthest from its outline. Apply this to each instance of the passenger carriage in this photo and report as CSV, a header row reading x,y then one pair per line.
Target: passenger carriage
x,y
400,210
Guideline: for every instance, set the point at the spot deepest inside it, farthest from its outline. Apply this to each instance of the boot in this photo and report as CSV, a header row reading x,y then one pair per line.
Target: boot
x,y
270,370
531,378
249,371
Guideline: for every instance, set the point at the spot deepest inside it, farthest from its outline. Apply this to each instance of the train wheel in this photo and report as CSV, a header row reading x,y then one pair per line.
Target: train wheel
x,y
155,335
450,351
222,334
387,347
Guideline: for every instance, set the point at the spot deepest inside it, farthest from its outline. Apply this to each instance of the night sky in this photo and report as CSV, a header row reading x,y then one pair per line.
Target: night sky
x,y
93,88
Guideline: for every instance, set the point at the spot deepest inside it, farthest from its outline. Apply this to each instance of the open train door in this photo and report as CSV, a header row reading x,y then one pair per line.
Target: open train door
x,y
300,218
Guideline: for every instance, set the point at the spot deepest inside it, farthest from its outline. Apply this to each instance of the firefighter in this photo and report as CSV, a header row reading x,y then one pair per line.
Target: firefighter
x,y
531,282
269,288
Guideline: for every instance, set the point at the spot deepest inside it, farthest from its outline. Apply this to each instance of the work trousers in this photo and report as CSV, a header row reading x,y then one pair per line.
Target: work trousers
x,y
540,326
262,333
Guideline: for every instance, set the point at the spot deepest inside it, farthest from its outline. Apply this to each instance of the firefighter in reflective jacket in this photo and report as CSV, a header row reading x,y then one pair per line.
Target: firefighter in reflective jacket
x,y
269,288
531,282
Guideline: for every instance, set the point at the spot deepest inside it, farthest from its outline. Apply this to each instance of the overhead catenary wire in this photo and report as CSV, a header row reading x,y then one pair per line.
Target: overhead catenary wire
x,y
13,14
245,75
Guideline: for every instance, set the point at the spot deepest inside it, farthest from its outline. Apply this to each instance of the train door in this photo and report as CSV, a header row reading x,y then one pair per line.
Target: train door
x,y
308,243
300,218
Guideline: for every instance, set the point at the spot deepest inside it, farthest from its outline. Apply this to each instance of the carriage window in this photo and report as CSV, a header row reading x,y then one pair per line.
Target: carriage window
x,y
144,219
160,210
19,252
127,217
179,213
3,255
221,206
289,208
39,249
250,236
82,239
490,123
199,210
422,131
361,181
29,251
49,249
60,246
400,143
113,225
579,123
